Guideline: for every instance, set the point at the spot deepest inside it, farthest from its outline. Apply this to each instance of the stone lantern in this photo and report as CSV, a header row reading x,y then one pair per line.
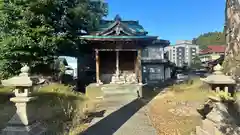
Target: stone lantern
x,y
218,116
22,123
218,81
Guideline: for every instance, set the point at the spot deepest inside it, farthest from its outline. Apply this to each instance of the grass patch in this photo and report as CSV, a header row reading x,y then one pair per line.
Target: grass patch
x,y
57,106
175,111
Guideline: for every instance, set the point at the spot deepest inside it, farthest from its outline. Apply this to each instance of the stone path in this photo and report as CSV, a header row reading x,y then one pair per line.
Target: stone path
x,y
125,115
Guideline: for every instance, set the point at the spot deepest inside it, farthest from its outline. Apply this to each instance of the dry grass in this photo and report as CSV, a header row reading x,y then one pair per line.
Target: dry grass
x,y
175,111
93,91
57,106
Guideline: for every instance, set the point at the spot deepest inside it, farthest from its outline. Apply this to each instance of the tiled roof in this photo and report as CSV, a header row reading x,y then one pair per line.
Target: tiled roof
x,y
118,38
214,49
106,24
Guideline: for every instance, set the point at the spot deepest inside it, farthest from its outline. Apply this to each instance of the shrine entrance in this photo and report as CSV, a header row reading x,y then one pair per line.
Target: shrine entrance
x,y
107,65
127,61
117,66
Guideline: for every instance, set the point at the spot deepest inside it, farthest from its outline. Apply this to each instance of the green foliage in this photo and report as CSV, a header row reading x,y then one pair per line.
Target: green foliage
x,y
6,90
59,89
225,96
33,32
5,93
210,38
196,62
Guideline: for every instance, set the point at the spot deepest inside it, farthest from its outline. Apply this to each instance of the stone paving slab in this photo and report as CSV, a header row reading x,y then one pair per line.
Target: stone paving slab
x,y
138,124
123,119
125,114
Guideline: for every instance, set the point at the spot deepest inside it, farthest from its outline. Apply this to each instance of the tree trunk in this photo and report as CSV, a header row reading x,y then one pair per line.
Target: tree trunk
x,y
232,30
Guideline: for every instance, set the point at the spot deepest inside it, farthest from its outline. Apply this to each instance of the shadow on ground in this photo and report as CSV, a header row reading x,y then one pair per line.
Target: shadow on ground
x,y
110,124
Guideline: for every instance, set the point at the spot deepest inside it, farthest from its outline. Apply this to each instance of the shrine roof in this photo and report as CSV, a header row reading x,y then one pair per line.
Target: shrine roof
x,y
95,37
118,27
118,30
134,25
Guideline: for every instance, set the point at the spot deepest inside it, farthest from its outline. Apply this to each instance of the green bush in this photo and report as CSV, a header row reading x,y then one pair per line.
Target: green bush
x,y
65,105
225,96
5,94
6,89
60,107
60,89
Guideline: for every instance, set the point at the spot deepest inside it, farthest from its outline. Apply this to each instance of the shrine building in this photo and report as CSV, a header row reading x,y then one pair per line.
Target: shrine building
x,y
125,53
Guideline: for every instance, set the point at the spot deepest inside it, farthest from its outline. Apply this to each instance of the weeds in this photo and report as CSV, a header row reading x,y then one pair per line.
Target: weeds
x,y
61,109
176,112
68,108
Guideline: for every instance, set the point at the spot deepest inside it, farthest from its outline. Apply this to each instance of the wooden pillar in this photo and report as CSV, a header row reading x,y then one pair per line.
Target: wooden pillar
x,y
97,66
139,66
135,65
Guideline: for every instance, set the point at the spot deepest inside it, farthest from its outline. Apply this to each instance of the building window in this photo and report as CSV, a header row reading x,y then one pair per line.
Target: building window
x,y
156,73
154,77
155,53
151,70
144,69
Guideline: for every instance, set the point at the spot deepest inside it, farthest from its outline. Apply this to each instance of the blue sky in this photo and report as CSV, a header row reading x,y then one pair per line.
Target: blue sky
x,y
172,19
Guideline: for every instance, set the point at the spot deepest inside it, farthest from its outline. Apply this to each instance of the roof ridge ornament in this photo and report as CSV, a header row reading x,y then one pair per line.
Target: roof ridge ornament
x,y
118,30
118,18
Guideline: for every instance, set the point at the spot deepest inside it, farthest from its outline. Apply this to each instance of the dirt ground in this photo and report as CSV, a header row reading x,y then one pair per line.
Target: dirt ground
x,y
174,112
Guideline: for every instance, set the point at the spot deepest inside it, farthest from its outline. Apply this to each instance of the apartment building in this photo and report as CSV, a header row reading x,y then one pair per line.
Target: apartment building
x,y
182,52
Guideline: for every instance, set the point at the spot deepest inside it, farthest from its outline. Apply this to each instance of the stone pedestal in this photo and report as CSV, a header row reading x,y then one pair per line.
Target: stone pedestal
x,y
23,122
33,129
218,122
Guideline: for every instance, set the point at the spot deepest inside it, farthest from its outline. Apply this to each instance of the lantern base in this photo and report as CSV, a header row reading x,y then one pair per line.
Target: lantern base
x,y
33,129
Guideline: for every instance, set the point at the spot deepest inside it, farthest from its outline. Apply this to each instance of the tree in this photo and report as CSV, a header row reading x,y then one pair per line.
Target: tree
x,y
210,38
196,62
33,32
231,62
